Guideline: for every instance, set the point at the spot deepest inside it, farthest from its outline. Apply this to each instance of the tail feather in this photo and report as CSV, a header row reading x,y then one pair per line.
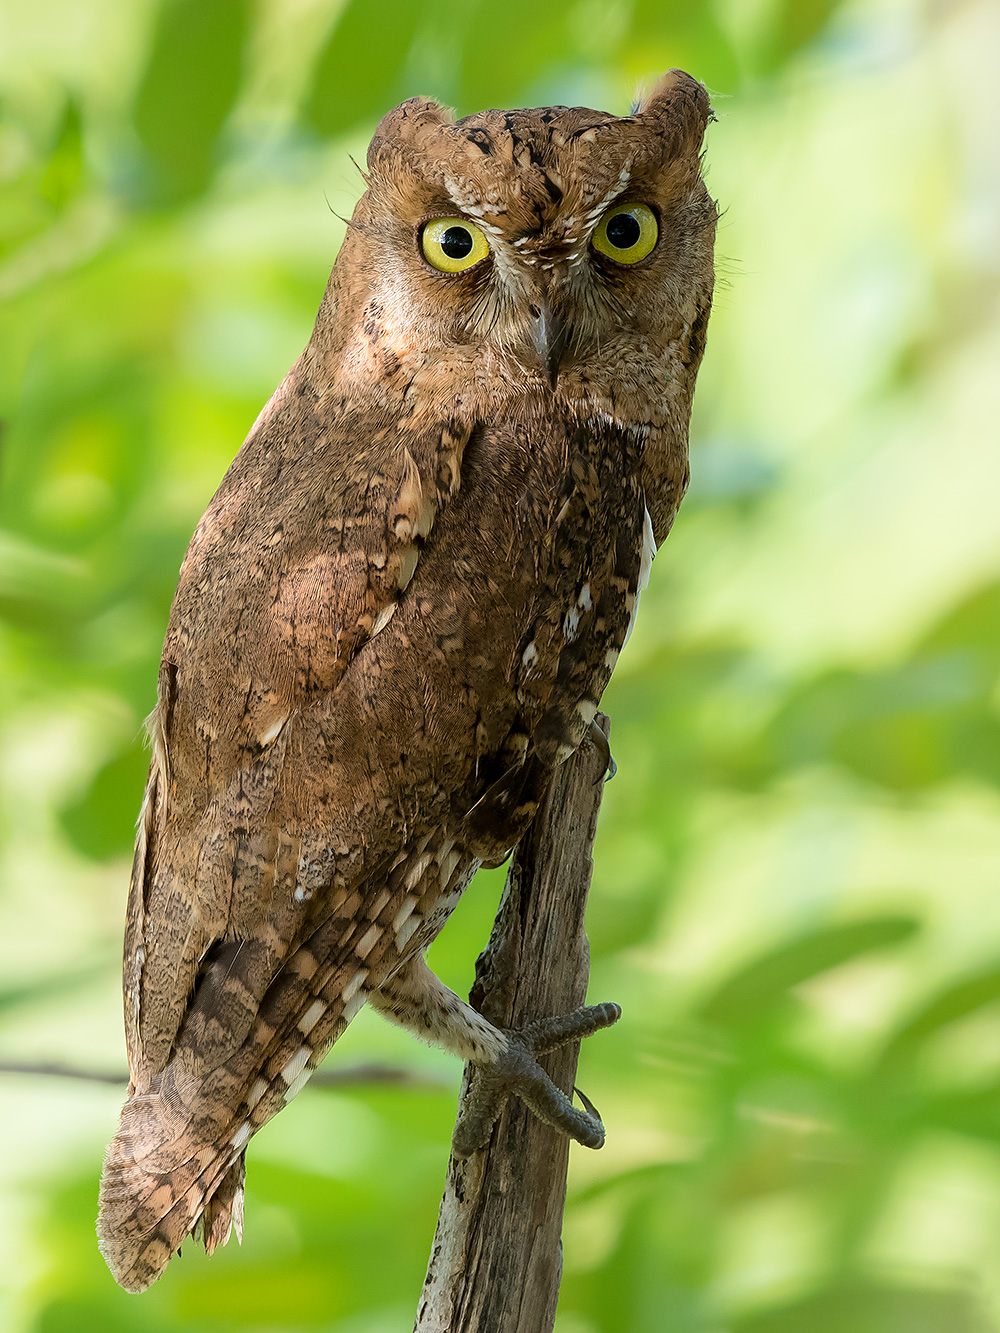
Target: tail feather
x,y
253,1034
176,1165
223,1213
150,1204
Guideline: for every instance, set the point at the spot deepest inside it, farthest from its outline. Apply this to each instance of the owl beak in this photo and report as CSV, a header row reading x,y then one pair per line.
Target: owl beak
x,y
551,338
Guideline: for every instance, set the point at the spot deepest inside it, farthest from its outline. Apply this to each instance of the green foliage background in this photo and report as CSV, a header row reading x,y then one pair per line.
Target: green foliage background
x,y
796,894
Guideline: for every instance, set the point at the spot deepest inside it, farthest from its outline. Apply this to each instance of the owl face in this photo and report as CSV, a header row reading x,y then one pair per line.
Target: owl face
x,y
552,250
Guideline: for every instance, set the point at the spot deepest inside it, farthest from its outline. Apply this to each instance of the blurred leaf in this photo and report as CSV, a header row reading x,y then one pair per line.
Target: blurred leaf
x,y
783,29
64,171
187,90
276,1291
909,749
97,1314
923,722
976,1114
762,985
970,625
729,472
32,578
314,1252
358,72
794,24
534,36
35,992
621,921
653,1278
101,824
669,34
954,1002
858,1308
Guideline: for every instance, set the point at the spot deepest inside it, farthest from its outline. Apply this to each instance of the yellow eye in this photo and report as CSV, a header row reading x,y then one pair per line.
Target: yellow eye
x,y
452,244
626,233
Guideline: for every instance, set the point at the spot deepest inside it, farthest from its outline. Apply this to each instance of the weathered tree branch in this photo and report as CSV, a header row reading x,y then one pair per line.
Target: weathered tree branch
x,y
496,1261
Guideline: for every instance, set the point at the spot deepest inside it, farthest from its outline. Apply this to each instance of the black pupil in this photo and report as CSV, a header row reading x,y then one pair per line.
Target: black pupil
x,y
623,231
456,242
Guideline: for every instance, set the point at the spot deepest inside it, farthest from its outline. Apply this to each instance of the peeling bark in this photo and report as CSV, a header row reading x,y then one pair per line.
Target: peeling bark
x,y
496,1260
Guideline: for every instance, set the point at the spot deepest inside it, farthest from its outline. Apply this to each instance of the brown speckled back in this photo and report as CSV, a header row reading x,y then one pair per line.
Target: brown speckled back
x,y
398,615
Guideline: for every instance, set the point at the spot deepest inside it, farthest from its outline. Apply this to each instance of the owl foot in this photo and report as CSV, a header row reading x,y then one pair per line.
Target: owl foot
x,y
600,741
517,1070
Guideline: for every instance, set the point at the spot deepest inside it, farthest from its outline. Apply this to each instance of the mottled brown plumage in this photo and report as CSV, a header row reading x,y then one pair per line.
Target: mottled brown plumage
x,y
394,621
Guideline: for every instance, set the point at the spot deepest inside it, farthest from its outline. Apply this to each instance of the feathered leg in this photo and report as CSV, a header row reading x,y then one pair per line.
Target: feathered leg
x,y
505,1060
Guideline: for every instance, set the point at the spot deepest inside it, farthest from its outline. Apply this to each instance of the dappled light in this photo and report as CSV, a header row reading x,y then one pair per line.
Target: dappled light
x,y
796,896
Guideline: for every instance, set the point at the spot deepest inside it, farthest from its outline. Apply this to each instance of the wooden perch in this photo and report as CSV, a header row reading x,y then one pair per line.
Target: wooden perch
x,y
496,1260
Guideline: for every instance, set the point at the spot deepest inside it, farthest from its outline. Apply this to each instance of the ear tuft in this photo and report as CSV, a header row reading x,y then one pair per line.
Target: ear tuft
x,y
681,105
407,123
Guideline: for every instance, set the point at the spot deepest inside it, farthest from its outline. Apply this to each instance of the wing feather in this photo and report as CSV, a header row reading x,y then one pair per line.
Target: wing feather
x,y
307,824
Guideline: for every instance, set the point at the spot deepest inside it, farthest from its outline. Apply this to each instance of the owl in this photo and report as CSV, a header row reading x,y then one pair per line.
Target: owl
x,y
396,620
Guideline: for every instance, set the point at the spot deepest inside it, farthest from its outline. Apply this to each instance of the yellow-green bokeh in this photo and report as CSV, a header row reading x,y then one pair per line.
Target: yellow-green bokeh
x,y
797,886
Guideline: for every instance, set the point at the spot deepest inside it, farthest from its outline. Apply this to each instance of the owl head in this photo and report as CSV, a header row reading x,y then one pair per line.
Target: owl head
x,y
512,254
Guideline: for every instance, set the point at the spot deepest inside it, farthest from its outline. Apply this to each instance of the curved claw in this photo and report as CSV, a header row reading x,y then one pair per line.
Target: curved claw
x,y
588,1103
601,742
518,1071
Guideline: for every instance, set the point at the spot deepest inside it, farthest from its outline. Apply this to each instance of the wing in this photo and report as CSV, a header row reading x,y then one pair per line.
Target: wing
x,y
344,698
303,554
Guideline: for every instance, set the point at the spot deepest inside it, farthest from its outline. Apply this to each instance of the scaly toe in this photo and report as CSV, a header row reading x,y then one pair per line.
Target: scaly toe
x,y
548,1034
518,1071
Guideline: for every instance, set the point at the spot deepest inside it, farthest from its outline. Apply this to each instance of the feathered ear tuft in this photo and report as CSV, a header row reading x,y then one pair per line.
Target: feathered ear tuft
x,y
681,105
407,124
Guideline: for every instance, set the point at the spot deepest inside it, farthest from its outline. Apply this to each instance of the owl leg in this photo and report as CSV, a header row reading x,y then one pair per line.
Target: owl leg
x,y
414,998
503,1061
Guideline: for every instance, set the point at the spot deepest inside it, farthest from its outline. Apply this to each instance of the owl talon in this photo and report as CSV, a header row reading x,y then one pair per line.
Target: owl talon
x,y
598,739
518,1071
587,1103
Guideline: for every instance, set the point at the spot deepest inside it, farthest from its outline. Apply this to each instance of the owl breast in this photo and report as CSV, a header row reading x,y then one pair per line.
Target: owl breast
x,y
523,599
490,671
